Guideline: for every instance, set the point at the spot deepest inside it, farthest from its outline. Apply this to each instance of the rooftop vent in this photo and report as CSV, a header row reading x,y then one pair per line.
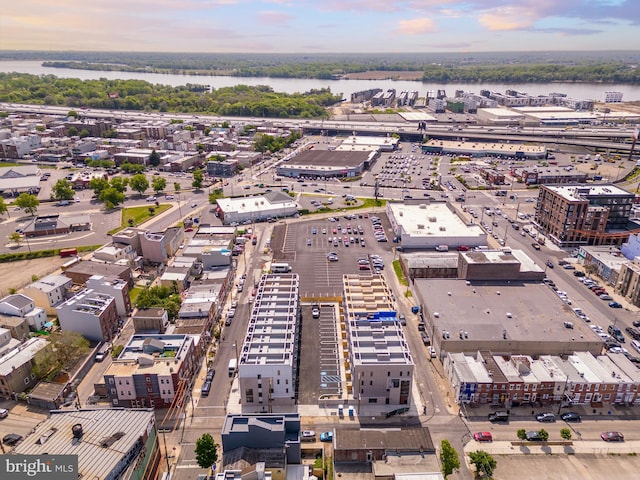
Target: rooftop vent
x,y
77,431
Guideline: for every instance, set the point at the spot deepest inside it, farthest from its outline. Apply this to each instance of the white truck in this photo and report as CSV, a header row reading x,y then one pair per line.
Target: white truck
x,y
233,366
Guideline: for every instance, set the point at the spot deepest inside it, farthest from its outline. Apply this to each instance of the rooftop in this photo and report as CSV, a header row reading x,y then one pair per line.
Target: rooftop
x,y
108,436
431,219
583,192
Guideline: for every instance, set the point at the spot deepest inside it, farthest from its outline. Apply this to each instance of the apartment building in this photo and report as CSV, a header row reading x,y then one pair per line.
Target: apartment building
x,y
268,366
92,314
49,292
152,369
379,360
19,305
582,378
584,215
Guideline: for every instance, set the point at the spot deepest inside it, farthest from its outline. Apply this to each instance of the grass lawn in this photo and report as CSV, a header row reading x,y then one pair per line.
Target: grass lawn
x,y
138,215
133,294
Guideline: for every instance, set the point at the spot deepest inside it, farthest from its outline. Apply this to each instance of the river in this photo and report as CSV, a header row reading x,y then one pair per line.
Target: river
x,y
584,91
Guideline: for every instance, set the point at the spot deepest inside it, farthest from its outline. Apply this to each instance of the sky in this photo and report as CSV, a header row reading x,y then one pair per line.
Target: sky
x,y
319,26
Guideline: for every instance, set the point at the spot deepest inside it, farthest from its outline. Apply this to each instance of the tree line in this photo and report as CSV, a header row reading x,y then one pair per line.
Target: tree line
x,y
239,100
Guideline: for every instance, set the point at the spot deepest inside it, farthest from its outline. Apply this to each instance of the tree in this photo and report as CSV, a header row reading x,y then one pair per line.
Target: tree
x,y
198,179
111,197
158,184
132,168
565,433
485,464
154,158
72,113
15,237
62,190
139,183
176,187
119,183
206,451
543,434
448,458
29,203
98,184
522,434
3,206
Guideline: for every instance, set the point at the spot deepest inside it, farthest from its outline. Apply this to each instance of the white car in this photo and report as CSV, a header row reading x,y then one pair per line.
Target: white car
x,y
4,413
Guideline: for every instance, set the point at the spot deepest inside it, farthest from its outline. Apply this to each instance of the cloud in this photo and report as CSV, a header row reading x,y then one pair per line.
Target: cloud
x,y
509,17
273,17
416,26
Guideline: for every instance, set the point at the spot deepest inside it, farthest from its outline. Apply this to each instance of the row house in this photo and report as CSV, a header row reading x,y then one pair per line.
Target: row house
x,y
580,379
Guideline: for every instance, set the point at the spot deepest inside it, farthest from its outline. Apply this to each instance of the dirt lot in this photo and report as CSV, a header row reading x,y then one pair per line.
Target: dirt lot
x,y
18,274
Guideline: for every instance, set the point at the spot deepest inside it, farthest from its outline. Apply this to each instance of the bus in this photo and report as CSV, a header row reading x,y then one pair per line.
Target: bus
x,y
280,268
233,365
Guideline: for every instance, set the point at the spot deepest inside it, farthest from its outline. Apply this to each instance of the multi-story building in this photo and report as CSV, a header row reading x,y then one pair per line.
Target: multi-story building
x,y
19,305
49,292
92,314
16,366
152,370
268,358
150,320
629,282
580,379
584,215
379,359
108,443
115,287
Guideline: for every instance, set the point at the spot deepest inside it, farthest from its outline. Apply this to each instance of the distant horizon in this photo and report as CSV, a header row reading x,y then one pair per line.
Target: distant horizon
x,y
316,26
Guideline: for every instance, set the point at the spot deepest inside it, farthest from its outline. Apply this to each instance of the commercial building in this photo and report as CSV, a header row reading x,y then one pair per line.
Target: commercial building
x,y
109,443
91,314
498,265
152,370
19,305
19,179
16,367
268,357
49,292
257,208
577,215
379,363
331,163
485,149
429,225
503,317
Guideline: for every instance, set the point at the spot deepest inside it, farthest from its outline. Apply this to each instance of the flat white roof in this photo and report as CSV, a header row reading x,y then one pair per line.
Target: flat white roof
x,y
435,219
575,192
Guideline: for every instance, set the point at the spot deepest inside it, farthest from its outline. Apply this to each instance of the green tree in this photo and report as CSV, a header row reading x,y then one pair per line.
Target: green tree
x,y
98,184
29,203
198,179
45,362
206,451
132,168
72,113
111,197
62,190
154,158
543,434
15,237
72,131
158,184
448,458
522,434
3,206
176,187
119,183
485,464
139,183
565,433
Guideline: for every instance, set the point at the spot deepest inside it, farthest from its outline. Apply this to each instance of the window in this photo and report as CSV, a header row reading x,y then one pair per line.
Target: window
x,y
371,383
26,380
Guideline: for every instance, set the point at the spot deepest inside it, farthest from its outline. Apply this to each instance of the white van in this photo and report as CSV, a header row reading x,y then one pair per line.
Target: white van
x,y
442,248
635,344
280,268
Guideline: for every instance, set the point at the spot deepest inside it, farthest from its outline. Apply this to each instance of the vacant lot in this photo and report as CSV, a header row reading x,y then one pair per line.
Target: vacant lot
x,y
18,274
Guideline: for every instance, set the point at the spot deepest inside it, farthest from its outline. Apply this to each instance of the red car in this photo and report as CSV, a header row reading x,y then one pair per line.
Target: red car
x,y
483,437
612,437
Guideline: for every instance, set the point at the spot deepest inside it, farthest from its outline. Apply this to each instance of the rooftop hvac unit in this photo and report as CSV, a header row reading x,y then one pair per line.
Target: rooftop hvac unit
x,y
433,219
443,228
420,226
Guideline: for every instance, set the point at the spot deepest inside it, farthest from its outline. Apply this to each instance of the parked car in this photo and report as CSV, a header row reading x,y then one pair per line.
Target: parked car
x,y
4,413
315,311
612,437
210,374
326,437
483,437
615,305
570,417
308,435
533,436
546,417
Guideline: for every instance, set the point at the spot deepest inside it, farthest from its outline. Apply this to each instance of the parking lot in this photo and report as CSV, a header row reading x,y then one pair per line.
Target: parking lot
x,y
307,251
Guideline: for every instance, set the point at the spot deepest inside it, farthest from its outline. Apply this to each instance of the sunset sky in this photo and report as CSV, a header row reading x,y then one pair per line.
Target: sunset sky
x,y
316,26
